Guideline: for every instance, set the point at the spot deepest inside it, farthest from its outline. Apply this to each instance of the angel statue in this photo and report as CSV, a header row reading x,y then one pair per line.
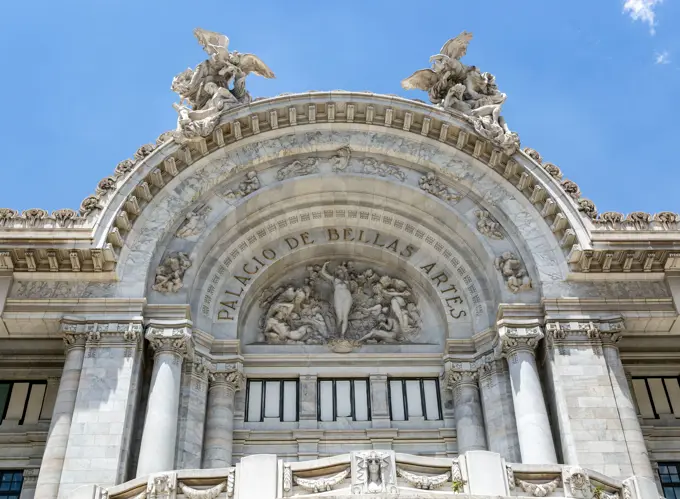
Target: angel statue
x,y
216,84
455,86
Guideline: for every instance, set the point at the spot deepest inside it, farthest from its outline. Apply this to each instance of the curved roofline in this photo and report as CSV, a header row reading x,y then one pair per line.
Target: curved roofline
x,y
109,213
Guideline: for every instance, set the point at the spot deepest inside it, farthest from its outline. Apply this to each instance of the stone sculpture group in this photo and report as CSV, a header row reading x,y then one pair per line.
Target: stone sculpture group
x,y
344,305
458,87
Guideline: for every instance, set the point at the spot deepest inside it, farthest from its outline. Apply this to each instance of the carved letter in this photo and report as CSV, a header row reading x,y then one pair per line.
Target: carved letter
x,y
393,245
232,293
375,241
245,269
456,299
408,251
450,288
462,313
229,304
361,236
290,241
305,238
333,235
440,278
346,234
243,280
258,260
223,315
428,268
266,252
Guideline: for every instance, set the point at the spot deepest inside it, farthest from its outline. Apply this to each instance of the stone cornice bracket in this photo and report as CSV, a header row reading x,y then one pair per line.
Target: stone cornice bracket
x,y
171,337
232,377
515,336
572,331
79,332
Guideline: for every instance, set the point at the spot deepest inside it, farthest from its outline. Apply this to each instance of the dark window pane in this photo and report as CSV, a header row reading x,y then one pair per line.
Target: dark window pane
x,y
665,479
4,486
663,469
675,478
19,477
669,492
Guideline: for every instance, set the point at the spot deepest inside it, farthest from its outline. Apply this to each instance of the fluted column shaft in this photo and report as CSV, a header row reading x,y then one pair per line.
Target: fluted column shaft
x,y
219,425
60,426
467,406
157,451
517,345
635,441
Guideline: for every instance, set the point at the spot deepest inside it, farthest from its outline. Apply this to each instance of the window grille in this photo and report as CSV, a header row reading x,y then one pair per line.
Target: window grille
x,y
415,399
343,398
272,400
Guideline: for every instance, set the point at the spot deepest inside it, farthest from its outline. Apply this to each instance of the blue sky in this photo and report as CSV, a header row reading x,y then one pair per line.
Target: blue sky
x,y
592,86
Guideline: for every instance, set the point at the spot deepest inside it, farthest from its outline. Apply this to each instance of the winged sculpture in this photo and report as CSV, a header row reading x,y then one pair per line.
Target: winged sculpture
x,y
214,85
455,86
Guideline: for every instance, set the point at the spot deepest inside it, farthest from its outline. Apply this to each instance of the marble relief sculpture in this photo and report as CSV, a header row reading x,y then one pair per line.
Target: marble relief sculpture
x,y
458,87
515,275
487,225
374,473
214,85
170,274
344,304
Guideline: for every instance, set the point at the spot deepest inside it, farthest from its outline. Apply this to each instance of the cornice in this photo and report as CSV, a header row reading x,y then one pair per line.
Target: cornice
x,y
34,241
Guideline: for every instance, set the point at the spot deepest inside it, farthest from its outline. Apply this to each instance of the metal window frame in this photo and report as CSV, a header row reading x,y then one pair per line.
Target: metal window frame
x,y
263,398
11,493
352,398
674,485
440,414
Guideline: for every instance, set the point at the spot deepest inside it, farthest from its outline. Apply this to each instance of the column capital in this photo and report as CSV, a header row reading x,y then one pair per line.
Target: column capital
x,y
562,331
171,337
234,380
201,367
515,336
454,378
487,367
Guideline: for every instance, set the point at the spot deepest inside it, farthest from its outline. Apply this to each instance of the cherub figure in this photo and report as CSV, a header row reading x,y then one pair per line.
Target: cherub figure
x,y
170,275
387,331
515,276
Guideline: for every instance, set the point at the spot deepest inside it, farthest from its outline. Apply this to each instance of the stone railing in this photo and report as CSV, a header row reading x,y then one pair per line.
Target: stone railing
x,y
378,473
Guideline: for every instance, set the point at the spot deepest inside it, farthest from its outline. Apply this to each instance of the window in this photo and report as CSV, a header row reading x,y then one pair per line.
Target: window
x,y
670,479
272,400
414,398
343,398
657,396
10,484
21,401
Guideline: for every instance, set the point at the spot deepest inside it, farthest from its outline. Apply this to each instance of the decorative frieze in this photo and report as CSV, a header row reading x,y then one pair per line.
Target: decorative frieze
x,y
594,330
82,332
234,380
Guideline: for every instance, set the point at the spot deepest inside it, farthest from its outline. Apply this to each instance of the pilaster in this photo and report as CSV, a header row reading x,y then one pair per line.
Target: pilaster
x,y
380,410
191,424
595,413
308,402
30,483
105,405
497,406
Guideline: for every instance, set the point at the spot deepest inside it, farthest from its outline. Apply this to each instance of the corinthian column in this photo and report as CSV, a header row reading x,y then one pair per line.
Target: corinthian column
x,y
468,410
171,345
517,344
64,405
635,441
219,426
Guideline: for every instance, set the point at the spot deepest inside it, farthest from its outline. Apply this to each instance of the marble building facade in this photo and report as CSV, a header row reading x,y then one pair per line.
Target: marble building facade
x,y
338,294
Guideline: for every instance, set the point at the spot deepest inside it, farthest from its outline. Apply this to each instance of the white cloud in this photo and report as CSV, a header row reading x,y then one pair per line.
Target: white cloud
x,y
663,58
642,10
